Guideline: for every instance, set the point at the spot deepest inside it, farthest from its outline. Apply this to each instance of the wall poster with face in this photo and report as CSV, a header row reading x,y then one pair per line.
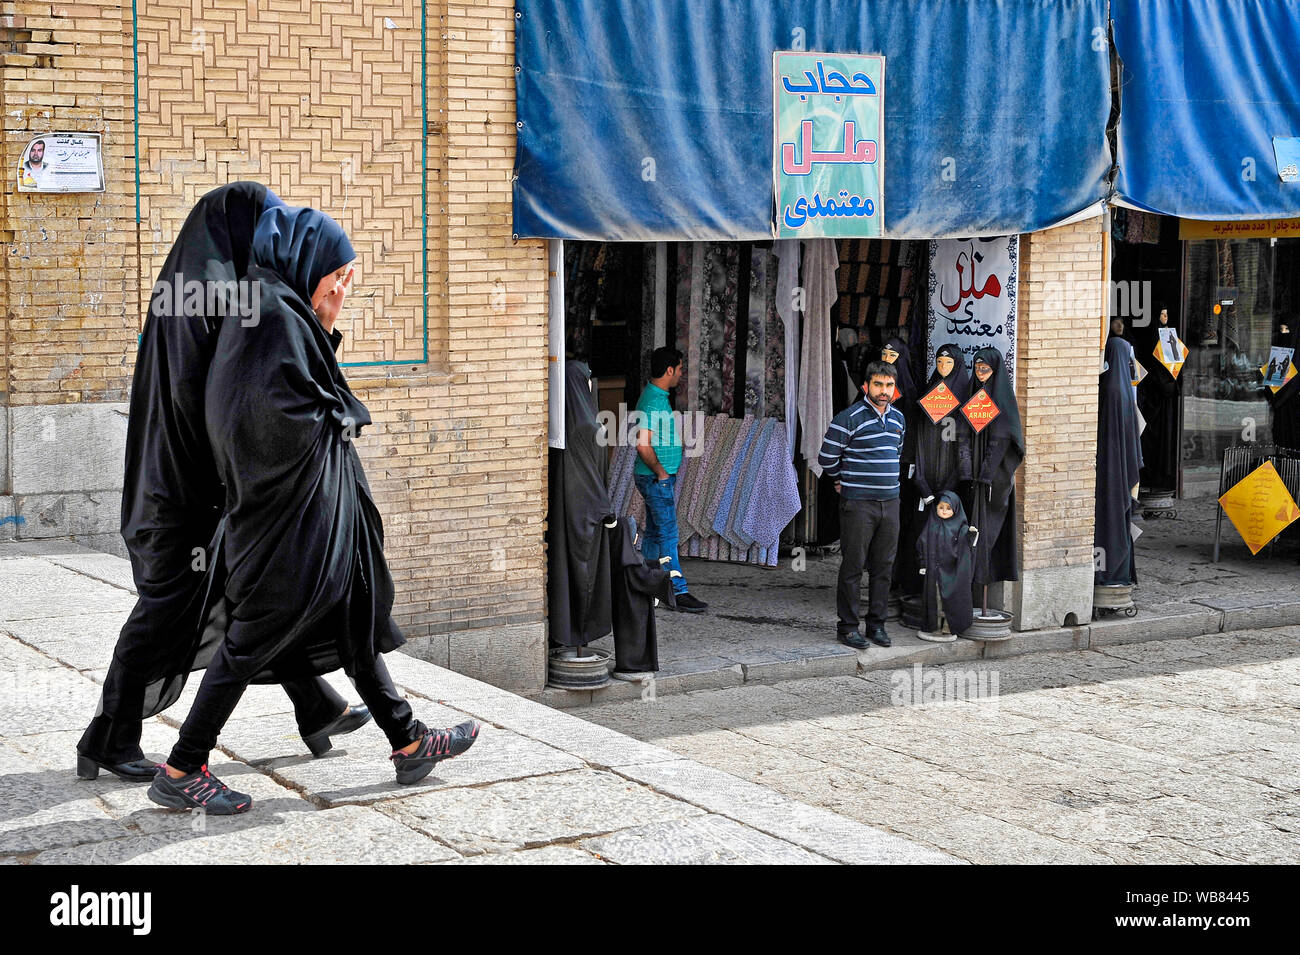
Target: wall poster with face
x,y
973,288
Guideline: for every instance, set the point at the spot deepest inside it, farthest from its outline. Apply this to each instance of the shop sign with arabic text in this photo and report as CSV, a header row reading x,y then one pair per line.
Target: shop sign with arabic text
x,y
828,166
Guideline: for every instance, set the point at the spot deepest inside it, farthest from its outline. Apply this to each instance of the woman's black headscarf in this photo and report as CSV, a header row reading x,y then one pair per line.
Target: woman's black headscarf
x,y
171,493
302,245
944,549
903,369
1006,425
958,380
1119,465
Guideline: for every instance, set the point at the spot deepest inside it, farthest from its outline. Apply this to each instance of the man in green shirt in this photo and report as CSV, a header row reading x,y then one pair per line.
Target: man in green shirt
x,y
659,455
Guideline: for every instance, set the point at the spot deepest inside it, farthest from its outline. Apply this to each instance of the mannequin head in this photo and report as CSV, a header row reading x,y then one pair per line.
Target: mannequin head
x,y
983,371
944,365
887,354
943,509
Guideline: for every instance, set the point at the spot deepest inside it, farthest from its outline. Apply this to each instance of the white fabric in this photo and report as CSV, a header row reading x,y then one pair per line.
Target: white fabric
x,y
787,278
820,260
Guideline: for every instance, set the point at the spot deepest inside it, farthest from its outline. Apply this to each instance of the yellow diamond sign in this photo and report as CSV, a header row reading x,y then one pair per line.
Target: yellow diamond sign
x,y
1260,507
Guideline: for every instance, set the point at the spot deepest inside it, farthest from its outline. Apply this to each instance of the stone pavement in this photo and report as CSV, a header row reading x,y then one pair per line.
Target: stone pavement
x,y
1169,751
540,786
765,625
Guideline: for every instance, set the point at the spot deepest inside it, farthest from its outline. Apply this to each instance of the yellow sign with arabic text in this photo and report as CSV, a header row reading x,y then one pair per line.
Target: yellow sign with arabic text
x,y
1260,507
1240,229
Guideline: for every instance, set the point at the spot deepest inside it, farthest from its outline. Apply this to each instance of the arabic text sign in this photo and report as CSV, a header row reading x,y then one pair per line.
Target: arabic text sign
x,y
62,162
980,410
939,402
973,297
828,155
1259,506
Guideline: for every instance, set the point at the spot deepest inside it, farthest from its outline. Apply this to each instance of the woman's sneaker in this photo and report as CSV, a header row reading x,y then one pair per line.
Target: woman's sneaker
x,y
198,790
435,746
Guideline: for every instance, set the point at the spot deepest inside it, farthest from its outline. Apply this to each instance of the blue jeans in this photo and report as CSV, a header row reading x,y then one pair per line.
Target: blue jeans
x,y
659,536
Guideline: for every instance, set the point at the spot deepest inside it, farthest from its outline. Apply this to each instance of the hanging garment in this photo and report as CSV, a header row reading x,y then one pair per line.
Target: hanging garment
x,y
995,455
578,588
1119,463
787,280
815,382
944,549
756,340
635,584
906,580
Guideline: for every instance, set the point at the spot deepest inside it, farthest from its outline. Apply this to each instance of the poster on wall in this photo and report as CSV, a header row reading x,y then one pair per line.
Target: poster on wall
x,y
973,297
62,162
828,160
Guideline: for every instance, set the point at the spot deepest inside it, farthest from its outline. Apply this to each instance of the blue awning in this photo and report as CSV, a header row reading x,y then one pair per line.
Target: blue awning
x,y
652,119
1206,86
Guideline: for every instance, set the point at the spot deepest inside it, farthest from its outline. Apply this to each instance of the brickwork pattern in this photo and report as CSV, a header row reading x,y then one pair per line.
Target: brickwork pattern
x,y
1059,324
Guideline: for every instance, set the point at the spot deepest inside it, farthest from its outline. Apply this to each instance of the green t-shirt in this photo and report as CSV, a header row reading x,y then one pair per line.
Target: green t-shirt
x,y
656,416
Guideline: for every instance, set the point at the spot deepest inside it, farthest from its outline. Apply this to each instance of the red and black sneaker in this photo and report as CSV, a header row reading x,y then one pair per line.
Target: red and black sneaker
x,y
435,746
198,790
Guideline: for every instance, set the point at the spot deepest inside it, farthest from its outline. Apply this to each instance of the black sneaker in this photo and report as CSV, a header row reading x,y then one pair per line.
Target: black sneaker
x,y
687,603
198,790
355,718
435,746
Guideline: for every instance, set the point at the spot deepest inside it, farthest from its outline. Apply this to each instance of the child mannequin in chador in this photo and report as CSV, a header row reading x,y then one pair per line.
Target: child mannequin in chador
x,y
945,552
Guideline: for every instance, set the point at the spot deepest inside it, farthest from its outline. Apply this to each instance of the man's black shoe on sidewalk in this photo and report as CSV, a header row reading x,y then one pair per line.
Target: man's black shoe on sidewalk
x,y
853,639
198,790
879,637
690,604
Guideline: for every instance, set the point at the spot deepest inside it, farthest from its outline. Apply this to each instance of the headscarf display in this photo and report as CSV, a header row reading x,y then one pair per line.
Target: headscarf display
x,y
307,588
995,454
937,444
944,549
172,496
577,542
1119,464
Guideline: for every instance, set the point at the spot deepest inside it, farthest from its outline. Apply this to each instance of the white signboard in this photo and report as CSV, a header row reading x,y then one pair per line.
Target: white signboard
x,y
62,162
973,297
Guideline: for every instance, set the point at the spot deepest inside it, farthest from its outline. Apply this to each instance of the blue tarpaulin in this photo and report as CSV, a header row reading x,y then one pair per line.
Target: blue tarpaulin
x,y
1206,86
652,119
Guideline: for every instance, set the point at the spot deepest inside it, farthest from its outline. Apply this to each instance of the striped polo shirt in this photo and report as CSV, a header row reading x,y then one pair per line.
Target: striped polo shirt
x,y
861,451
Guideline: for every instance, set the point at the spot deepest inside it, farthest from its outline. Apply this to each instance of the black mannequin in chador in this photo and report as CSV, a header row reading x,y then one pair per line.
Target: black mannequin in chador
x,y
1119,461
936,445
945,552
995,453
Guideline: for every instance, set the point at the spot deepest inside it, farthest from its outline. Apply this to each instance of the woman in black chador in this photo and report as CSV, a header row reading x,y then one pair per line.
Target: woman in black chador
x,y
905,581
172,497
307,589
995,454
945,552
1119,465
936,444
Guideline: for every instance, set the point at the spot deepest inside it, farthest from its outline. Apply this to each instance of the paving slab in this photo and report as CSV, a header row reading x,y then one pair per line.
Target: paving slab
x,y
708,840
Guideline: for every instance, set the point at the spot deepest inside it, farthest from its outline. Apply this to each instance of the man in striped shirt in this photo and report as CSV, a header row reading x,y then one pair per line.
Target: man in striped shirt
x,y
861,452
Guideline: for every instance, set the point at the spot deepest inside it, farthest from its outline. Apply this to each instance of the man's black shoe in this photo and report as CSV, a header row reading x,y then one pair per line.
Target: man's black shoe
x,y
354,718
689,604
855,640
198,790
435,746
879,637
133,771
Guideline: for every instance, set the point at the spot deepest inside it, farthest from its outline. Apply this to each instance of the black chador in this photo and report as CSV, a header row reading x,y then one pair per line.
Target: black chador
x,y
172,495
636,582
578,545
905,579
946,554
995,454
936,444
1119,465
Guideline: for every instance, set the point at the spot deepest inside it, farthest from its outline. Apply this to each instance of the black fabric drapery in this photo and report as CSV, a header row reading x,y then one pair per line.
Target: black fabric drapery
x,y
944,550
635,583
906,580
936,445
1119,465
578,551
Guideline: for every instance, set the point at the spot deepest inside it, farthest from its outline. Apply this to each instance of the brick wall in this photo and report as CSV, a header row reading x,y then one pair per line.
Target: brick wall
x,y
320,100
1059,326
